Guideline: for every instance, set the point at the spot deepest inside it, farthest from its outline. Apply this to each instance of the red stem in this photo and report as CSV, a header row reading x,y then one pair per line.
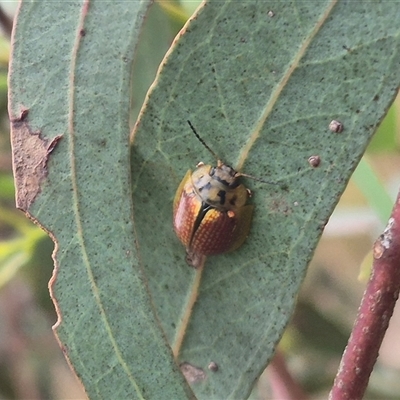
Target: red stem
x,y
373,316
283,386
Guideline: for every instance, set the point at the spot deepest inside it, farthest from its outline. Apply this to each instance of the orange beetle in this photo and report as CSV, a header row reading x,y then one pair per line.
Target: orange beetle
x,y
210,211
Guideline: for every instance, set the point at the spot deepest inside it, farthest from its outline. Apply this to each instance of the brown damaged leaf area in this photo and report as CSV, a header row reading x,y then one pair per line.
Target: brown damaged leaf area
x,y
191,373
30,156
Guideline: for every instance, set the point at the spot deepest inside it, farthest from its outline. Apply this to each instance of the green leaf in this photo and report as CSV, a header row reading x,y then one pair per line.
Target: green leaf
x,y
373,190
69,106
385,139
261,84
155,40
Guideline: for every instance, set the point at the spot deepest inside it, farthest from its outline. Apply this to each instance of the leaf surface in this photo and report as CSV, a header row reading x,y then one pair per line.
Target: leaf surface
x,y
261,83
69,107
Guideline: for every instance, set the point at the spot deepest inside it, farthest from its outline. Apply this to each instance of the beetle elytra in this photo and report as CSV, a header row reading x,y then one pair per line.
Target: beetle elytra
x,y
210,212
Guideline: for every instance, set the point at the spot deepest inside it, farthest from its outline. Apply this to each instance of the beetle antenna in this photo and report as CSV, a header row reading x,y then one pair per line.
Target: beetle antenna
x,y
256,179
202,141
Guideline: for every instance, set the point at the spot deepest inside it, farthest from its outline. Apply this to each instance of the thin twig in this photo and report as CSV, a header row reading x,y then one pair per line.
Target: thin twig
x,y
373,316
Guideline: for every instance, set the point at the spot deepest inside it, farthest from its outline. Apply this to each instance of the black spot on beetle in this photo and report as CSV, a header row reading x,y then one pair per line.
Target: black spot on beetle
x,y
206,186
222,195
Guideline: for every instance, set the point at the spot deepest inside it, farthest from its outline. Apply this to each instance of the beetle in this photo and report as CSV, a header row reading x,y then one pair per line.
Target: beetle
x,y
210,211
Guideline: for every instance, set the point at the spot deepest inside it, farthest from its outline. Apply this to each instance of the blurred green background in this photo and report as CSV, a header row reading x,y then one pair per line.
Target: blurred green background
x,y
31,362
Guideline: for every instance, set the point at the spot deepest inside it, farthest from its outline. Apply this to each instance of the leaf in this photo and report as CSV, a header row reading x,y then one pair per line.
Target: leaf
x,y
373,190
69,105
155,39
261,84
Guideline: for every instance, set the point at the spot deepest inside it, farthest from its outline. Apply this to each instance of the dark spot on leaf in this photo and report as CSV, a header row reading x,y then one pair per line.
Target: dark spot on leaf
x,y
336,126
314,161
213,366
